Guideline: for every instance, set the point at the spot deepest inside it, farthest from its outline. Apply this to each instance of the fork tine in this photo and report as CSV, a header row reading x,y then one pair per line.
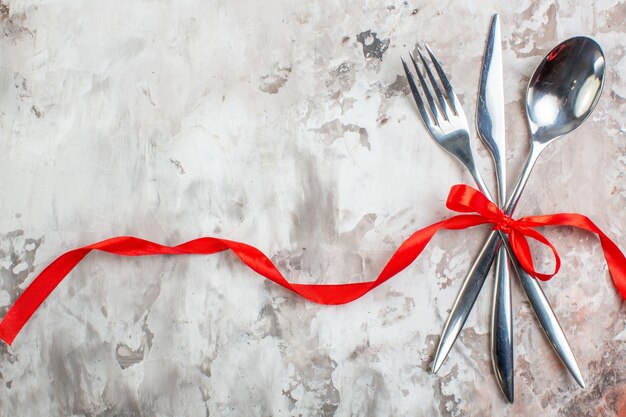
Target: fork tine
x,y
426,118
442,101
456,104
429,97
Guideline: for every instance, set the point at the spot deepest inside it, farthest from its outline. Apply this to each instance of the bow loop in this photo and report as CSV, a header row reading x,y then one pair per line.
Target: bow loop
x,y
465,199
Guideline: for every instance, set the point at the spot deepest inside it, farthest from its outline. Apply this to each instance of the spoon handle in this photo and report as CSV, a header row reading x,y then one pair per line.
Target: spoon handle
x,y
476,278
535,151
547,318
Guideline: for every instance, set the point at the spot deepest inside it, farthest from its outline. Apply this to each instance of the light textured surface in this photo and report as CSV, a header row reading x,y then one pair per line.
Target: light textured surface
x,y
287,125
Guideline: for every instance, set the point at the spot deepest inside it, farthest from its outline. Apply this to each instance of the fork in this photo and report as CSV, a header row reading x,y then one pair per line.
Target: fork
x,y
447,125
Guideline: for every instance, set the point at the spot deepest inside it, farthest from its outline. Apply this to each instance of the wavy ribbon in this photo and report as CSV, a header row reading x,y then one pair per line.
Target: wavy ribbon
x,y
462,198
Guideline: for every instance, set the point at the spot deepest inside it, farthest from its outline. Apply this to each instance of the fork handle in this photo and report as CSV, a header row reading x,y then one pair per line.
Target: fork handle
x,y
465,299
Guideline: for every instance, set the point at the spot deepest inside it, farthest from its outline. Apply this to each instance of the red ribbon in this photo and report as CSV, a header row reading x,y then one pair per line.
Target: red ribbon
x,y
462,198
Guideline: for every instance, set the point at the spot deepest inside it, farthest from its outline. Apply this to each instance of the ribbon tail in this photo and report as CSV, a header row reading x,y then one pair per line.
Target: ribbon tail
x,y
615,259
27,303
43,285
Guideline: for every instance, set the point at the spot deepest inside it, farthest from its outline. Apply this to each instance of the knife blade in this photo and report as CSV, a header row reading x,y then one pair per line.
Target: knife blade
x,y
491,130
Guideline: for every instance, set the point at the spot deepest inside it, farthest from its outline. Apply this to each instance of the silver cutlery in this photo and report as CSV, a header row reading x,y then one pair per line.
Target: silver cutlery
x,y
491,131
561,94
447,125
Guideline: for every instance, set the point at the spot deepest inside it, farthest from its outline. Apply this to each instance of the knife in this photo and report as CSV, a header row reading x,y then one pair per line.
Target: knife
x,y
491,130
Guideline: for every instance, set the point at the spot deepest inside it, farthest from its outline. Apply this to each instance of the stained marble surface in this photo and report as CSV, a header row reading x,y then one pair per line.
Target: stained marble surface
x,y
287,125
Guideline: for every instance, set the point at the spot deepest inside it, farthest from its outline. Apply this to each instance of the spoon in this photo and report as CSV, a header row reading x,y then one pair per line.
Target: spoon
x,y
561,94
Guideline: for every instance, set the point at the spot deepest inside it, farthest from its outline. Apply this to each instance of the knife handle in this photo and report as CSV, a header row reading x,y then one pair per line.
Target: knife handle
x,y
502,327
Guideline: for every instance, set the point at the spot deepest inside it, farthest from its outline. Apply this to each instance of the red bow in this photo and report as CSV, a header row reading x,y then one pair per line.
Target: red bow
x,y
462,198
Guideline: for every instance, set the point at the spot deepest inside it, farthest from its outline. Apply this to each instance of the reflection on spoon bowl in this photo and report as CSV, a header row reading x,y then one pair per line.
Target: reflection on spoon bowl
x,y
565,88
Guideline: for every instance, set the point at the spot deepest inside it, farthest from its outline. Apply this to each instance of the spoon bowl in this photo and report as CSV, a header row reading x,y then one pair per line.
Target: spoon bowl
x,y
561,94
565,88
